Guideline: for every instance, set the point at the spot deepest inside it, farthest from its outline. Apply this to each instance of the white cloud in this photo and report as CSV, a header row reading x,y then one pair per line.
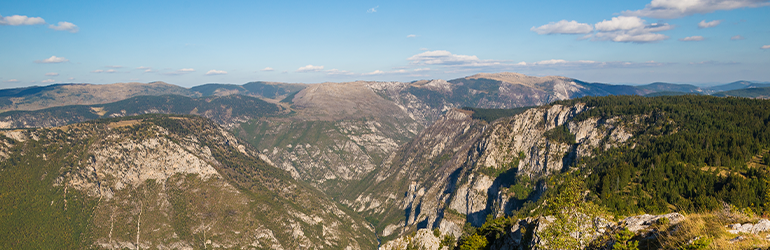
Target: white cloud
x,y
669,9
737,37
630,29
411,36
52,74
11,80
620,23
339,72
65,26
48,81
16,20
713,63
692,39
563,27
104,71
146,69
372,10
268,69
396,72
584,64
178,72
53,59
310,68
376,72
114,66
703,24
765,47
216,72
443,57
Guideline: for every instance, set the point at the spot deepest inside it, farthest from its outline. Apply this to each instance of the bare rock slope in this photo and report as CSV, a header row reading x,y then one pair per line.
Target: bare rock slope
x,y
461,170
169,182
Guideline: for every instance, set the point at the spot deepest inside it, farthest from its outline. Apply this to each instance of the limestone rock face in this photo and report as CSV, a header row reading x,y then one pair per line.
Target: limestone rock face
x,y
183,183
641,222
460,170
423,239
763,225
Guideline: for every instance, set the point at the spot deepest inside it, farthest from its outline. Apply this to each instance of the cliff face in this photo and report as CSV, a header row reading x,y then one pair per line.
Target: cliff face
x,y
177,182
460,169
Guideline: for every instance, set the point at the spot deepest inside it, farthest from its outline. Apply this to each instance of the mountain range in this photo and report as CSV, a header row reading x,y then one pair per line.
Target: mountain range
x,y
338,165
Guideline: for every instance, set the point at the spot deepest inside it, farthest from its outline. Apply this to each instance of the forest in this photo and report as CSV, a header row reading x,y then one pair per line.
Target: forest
x,y
689,153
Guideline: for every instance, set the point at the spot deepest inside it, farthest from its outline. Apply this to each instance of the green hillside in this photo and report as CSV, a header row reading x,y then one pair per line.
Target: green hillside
x,y
689,154
747,92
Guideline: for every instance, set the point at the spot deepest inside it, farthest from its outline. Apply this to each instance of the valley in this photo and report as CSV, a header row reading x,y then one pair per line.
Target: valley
x,y
345,165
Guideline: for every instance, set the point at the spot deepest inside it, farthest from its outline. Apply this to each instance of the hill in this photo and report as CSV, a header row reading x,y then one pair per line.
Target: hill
x,y
159,182
738,85
225,110
636,155
672,87
268,90
761,93
33,98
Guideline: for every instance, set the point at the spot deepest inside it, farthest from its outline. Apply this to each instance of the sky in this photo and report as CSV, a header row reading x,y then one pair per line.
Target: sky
x,y
190,43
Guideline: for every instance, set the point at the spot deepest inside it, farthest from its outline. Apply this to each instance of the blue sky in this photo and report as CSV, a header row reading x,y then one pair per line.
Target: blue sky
x,y
190,43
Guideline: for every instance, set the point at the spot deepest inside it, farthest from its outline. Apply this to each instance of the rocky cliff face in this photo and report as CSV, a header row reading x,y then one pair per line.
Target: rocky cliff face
x,y
460,169
342,131
180,182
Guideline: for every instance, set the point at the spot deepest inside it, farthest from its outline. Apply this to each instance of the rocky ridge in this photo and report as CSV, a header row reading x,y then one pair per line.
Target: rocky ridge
x,y
184,182
460,169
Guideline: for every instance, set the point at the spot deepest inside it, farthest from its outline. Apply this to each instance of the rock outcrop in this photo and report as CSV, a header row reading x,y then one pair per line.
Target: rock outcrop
x,y
461,170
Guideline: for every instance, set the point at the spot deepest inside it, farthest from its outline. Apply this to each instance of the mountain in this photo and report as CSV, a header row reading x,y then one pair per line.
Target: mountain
x,y
672,87
159,182
758,92
340,132
738,85
225,110
635,155
33,98
268,90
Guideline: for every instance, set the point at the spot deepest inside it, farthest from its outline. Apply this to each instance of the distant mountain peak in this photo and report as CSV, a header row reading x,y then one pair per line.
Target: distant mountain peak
x,y
517,78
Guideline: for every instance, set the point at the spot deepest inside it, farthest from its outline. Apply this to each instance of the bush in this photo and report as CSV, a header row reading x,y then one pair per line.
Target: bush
x,y
474,242
623,241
